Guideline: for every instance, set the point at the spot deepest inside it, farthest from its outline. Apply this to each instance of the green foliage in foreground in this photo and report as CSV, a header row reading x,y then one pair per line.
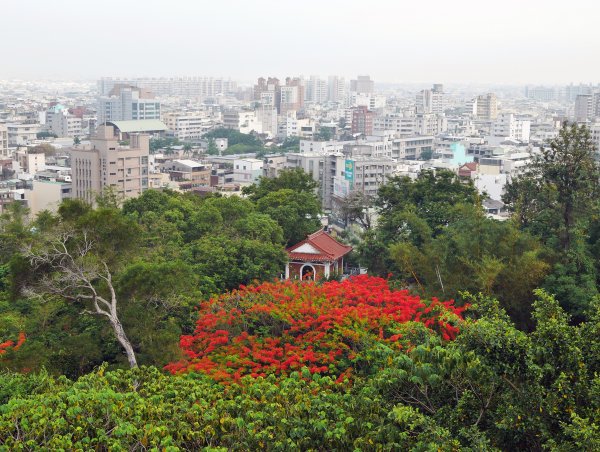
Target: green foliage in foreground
x,y
166,251
494,388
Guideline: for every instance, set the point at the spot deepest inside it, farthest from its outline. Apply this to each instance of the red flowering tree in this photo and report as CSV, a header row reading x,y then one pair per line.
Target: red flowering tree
x,y
332,329
11,345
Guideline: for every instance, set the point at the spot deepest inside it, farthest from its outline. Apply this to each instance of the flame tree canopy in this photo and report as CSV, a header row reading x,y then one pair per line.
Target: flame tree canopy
x,y
334,329
11,345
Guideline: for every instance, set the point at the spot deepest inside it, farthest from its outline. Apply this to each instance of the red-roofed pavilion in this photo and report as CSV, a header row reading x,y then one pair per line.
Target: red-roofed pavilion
x,y
318,256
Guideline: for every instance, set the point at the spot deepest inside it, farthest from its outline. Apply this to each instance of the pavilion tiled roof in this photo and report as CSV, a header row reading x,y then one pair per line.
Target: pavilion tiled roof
x,y
329,248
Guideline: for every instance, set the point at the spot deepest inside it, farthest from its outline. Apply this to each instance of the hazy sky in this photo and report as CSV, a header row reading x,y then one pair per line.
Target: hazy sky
x,y
500,41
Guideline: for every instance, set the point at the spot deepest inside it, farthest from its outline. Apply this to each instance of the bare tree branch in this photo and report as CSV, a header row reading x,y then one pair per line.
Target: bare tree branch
x,y
70,268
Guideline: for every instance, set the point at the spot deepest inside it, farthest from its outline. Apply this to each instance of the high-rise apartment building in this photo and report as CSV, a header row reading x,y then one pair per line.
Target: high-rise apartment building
x,y
362,120
266,116
430,124
267,89
3,141
486,106
126,103
541,93
584,107
362,84
62,123
104,163
336,89
268,98
316,90
285,98
596,104
292,95
431,100
509,126
202,87
572,91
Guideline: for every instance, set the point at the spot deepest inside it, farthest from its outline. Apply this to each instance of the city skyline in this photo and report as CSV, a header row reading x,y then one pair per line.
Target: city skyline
x,y
532,43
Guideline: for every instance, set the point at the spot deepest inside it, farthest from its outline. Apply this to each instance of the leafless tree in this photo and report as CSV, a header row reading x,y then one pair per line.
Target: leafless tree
x,y
355,207
72,269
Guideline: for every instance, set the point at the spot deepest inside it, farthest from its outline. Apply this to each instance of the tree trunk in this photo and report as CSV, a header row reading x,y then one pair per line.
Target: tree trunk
x,y
124,341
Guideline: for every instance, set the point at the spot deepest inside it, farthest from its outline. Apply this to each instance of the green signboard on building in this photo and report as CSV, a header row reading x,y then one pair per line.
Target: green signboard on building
x,y
349,171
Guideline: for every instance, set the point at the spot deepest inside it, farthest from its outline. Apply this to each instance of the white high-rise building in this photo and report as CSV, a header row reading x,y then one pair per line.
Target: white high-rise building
x,y
486,106
316,90
290,98
126,104
60,122
430,124
268,98
175,86
3,141
362,84
336,89
399,124
507,125
266,117
243,121
371,101
584,107
431,100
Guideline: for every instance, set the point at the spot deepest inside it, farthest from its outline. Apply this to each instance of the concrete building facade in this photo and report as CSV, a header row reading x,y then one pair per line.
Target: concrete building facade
x,y
507,125
486,107
126,103
362,120
4,141
336,89
431,100
47,195
62,123
104,163
316,90
21,134
411,148
174,86
397,123
187,127
362,84
247,170
31,162
584,107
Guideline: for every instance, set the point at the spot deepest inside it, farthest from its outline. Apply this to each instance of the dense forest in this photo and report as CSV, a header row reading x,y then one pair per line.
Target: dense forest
x,y
162,322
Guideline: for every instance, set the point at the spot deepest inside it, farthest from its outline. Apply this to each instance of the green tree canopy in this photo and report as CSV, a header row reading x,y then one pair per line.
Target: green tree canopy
x,y
295,179
431,196
560,189
234,137
556,199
